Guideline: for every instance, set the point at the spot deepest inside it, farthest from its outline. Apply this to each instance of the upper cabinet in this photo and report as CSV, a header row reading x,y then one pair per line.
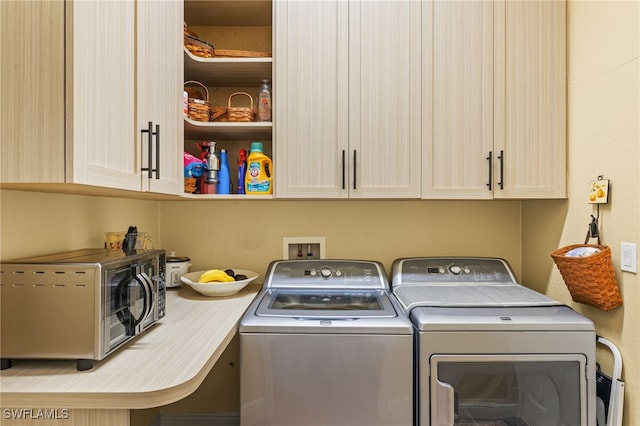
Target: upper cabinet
x,y
494,92
371,99
70,114
348,104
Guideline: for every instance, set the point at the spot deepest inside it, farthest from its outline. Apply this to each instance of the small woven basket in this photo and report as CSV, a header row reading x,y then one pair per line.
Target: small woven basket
x,y
591,280
198,109
235,113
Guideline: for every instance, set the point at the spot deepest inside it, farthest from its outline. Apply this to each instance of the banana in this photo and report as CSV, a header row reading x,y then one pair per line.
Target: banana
x,y
215,275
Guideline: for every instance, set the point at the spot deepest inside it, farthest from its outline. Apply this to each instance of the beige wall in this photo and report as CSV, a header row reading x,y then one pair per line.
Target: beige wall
x,y
604,139
248,234
35,223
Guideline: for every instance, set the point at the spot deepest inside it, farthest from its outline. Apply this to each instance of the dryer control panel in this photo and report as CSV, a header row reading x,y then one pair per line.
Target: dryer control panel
x,y
451,270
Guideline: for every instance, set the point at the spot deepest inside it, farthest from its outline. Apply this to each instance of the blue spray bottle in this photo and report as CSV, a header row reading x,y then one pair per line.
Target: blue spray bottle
x,y
224,179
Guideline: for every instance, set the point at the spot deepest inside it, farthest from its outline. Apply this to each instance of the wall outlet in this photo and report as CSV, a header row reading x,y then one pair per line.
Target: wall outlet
x,y
629,257
303,248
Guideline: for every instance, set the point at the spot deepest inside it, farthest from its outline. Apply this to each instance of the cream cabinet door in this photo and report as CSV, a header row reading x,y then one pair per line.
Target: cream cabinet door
x,y
101,87
384,99
32,102
494,91
530,99
347,114
311,108
457,88
159,95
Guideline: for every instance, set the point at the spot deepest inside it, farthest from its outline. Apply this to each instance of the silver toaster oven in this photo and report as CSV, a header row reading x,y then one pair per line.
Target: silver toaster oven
x,y
80,305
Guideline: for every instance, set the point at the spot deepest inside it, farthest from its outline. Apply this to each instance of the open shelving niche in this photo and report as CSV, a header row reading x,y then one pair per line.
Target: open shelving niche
x,y
223,76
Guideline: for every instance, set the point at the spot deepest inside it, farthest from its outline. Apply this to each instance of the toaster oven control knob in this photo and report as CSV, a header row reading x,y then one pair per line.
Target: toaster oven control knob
x,y
325,272
455,269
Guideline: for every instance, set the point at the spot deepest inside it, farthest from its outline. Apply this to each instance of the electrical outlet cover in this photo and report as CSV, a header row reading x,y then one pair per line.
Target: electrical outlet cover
x,y
599,192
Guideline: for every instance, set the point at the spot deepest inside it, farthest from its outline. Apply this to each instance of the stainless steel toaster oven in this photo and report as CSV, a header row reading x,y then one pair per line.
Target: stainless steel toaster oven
x,y
80,305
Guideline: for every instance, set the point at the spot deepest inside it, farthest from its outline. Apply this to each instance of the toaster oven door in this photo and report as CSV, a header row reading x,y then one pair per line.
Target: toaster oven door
x,y
147,272
128,303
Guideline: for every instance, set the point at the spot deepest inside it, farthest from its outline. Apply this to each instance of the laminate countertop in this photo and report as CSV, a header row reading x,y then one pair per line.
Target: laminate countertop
x,y
163,365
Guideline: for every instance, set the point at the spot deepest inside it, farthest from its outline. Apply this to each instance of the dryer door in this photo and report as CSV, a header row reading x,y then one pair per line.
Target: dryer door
x,y
508,390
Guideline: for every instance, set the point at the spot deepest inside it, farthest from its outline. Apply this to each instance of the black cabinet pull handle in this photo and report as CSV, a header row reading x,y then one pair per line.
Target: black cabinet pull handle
x,y
354,170
149,131
343,170
157,170
151,134
490,158
501,158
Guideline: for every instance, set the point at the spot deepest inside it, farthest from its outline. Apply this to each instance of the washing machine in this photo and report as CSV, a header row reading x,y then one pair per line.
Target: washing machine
x,y
491,352
325,343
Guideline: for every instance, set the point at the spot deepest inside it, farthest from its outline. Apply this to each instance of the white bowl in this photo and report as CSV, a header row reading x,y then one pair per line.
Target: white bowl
x,y
217,289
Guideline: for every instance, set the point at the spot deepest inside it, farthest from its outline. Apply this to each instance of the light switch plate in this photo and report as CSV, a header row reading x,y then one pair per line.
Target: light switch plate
x,y
629,257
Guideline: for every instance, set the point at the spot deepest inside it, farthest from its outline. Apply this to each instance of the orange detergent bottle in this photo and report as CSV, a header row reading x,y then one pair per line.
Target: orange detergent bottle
x,y
259,174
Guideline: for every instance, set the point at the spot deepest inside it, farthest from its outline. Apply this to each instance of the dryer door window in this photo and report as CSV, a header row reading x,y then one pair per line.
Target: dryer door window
x,y
508,390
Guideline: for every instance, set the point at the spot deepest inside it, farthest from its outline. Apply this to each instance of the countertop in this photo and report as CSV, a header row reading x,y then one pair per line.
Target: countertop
x,y
161,366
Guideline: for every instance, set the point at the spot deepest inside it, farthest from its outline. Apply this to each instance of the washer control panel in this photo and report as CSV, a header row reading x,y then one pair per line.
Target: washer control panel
x,y
326,273
451,270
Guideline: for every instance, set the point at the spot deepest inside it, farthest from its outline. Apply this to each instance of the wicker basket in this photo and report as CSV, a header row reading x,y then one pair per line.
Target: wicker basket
x,y
240,113
198,47
591,280
190,185
198,109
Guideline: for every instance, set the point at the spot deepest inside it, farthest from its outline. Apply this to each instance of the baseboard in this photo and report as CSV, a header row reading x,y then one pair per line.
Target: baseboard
x,y
197,419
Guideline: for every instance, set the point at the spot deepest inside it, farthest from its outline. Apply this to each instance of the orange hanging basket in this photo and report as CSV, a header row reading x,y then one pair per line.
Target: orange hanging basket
x,y
591,280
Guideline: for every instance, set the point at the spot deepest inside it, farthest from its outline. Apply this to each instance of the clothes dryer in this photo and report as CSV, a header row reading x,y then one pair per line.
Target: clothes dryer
x,y
491,352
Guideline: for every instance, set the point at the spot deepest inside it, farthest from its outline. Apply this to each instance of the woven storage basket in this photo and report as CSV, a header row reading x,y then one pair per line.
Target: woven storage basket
x,y
198,47
198,109
240,113
591,280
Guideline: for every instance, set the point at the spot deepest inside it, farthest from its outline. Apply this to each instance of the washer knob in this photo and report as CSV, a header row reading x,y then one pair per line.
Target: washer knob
x,y
325,272
455,269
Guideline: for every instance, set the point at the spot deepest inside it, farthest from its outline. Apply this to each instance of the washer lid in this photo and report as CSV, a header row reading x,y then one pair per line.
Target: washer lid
x,y
325,303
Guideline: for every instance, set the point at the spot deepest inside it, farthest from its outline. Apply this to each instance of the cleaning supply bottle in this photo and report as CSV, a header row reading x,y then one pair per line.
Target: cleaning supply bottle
x,y
224,178
242,169
259,176
263,112
213,166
